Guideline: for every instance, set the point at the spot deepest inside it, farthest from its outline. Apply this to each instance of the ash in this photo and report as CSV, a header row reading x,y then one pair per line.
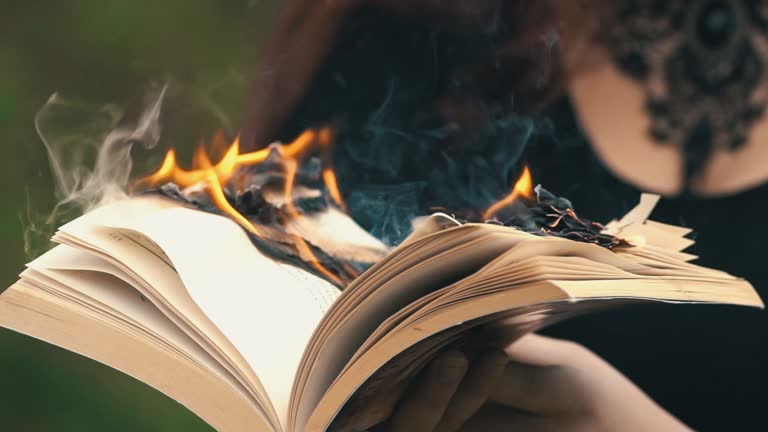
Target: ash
x,y
257,204
555,216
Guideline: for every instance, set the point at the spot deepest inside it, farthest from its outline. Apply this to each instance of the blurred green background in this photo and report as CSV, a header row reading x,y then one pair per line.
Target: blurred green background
x,y
98,52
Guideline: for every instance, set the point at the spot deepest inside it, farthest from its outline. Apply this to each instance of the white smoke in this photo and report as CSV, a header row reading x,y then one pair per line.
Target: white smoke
x,y
107,181
89,150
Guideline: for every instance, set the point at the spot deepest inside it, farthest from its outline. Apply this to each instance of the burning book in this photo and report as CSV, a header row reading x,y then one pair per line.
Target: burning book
x,y
242,289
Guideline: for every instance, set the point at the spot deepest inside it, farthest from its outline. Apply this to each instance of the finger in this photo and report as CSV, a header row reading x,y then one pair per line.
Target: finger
x,y
545,351
474,390
539,389
426,400
496,418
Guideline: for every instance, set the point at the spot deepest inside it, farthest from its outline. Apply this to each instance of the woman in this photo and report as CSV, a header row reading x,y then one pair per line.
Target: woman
x,y
438,101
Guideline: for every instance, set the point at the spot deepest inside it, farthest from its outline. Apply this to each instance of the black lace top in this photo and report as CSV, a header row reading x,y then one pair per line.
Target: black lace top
x,y
706,364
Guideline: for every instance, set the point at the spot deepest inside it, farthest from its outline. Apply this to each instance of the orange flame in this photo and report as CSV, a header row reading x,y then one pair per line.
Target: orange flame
x,y
523,188
305,251
214,177
329,178
325,141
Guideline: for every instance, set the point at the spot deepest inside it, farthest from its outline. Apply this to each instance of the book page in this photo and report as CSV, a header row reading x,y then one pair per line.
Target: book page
x,y
268,310
457,318
338,235
73,326
414,278
113,296
427,225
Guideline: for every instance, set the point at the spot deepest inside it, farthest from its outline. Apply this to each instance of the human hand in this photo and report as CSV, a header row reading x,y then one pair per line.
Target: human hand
x,y
536,384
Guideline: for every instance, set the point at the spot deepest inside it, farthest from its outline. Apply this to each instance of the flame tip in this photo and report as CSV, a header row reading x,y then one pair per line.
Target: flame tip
x,y
523,188
216,175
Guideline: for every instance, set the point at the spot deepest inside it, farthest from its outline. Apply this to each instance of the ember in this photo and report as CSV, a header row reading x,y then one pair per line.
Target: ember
x,y
552,215
547,214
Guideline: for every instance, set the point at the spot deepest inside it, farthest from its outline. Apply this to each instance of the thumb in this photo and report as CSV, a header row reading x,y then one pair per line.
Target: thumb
x,y
426,400
540,389
471,395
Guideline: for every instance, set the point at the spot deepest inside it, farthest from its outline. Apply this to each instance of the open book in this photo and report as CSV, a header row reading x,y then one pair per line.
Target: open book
x,y
181,300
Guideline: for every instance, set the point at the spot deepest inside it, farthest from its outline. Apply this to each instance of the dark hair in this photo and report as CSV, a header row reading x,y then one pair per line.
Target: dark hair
x,y
500,49
433,106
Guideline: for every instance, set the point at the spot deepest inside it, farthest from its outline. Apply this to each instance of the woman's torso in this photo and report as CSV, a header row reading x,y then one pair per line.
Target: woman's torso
x,y
706,364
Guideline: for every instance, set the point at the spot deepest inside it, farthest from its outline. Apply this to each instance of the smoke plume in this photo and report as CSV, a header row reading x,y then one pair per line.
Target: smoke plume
x,y
89,151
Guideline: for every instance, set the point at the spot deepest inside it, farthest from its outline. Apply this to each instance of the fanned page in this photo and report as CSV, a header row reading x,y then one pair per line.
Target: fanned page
x,y
67,317
434,291
411,271
267,310
152,275
66,281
